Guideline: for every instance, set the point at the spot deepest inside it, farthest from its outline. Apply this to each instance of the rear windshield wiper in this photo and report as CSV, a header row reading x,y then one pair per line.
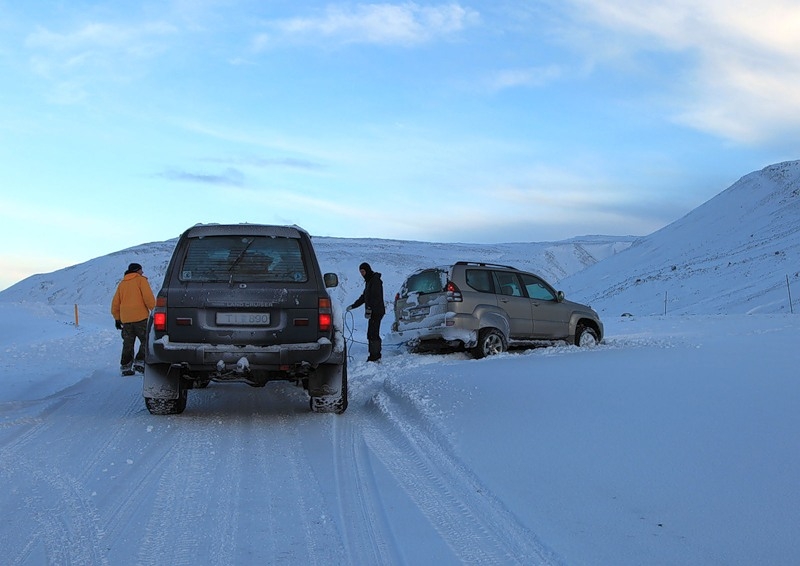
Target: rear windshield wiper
x,y
241,255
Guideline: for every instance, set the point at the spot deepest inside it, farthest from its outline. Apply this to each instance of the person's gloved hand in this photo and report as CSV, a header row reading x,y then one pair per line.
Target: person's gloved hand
x,y
349,308
118,324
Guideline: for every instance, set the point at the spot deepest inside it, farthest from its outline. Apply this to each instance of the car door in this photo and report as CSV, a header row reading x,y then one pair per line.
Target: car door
x,y
512,299
549,317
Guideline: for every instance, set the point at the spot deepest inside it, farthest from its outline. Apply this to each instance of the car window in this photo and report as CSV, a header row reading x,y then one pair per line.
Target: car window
x,y
536,288
248,259
507,283
428,281
480,280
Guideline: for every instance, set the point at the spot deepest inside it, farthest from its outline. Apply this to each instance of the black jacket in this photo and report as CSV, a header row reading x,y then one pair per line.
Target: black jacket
x,y
372,297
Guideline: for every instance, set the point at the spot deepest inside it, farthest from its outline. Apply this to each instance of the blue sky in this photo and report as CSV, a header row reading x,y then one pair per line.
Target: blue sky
x,y
123,123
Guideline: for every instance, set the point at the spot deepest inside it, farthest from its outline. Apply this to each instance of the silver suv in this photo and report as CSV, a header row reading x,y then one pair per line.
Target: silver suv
x,y
244,303
483,308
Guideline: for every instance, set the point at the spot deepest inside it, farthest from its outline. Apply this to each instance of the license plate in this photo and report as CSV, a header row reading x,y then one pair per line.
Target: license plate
x,y
243,318
419,311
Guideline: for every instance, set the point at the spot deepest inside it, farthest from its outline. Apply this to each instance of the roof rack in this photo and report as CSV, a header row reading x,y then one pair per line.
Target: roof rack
x,y
482,264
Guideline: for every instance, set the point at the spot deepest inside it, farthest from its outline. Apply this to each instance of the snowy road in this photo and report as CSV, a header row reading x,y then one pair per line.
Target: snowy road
x,y
244,476
673,443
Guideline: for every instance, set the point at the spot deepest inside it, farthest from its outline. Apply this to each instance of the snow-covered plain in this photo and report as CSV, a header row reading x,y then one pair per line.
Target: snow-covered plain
x,y
673,442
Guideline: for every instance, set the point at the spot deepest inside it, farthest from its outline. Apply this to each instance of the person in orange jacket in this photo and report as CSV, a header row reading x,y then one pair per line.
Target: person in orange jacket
x,y
130,308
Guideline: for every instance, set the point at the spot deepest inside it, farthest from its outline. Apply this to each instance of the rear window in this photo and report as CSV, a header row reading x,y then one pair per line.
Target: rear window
x,y
246,259
429,281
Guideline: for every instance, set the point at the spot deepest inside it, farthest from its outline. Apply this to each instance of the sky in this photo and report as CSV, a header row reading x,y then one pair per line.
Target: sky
x,y
124,123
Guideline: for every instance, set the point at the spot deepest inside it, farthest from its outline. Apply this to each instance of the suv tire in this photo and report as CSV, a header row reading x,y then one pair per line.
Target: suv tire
x,y
167,406
586,336
490,342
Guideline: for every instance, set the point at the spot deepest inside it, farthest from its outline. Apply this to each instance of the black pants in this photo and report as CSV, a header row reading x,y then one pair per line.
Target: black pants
x,y
374,336
130,332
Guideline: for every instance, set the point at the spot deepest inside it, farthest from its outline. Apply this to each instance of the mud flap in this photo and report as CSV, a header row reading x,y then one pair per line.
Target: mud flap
x,y
327,386
326,380
161,381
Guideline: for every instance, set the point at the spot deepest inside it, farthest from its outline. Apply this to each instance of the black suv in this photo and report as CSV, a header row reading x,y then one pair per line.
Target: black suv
x,y
244,303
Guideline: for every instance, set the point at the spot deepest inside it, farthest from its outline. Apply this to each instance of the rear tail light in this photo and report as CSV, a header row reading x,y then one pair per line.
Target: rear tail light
x,y
160,321
325,314
453,293
160,315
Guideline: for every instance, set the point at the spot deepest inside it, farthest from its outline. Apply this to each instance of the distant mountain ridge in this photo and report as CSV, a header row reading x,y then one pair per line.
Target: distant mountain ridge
x,y
94,281
737,253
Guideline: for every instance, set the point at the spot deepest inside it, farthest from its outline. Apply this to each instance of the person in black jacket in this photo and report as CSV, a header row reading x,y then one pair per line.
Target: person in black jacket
x,y
374,309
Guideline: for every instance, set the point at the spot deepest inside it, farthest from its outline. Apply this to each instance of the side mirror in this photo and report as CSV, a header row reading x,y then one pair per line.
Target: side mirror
x,y
560,296
331,280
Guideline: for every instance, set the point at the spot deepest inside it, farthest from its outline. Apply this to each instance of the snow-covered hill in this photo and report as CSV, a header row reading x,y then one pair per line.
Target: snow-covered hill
x,y
93,282
737,253
733,254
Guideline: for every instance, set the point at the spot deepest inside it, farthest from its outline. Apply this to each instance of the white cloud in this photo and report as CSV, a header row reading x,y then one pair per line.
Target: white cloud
x,y
94,46
744,82
524,77
386,24
93,35
78,59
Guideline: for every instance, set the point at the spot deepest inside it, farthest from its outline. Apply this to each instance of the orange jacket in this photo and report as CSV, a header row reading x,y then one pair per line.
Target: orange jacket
x,y
133,300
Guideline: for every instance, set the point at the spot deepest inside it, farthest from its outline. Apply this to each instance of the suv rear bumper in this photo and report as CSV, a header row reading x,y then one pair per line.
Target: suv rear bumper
x,y
446,334
206,357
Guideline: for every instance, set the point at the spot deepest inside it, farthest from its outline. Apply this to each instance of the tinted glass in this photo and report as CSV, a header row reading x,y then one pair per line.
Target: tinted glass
x,y
247,259
537,289
508,284
429,281
480,280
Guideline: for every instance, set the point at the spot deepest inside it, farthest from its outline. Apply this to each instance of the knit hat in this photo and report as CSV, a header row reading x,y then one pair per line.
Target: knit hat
x,y
133,268
365,266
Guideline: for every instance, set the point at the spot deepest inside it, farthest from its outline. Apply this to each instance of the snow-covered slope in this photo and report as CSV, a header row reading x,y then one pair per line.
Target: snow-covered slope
x,y
733,254
93,282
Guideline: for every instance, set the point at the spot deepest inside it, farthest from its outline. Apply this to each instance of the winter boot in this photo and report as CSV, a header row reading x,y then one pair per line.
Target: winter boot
x,y
138,366
127,369
374,351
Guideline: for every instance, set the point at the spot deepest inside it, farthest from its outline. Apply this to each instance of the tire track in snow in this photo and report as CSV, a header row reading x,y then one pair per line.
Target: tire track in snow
x,y
262,503
171,532
278,491
96,446
300,495
224,532
368,538
71,532
474,524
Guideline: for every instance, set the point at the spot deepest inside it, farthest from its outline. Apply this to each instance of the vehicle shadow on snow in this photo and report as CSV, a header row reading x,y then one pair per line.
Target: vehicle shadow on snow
x,y
238,400
513,348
